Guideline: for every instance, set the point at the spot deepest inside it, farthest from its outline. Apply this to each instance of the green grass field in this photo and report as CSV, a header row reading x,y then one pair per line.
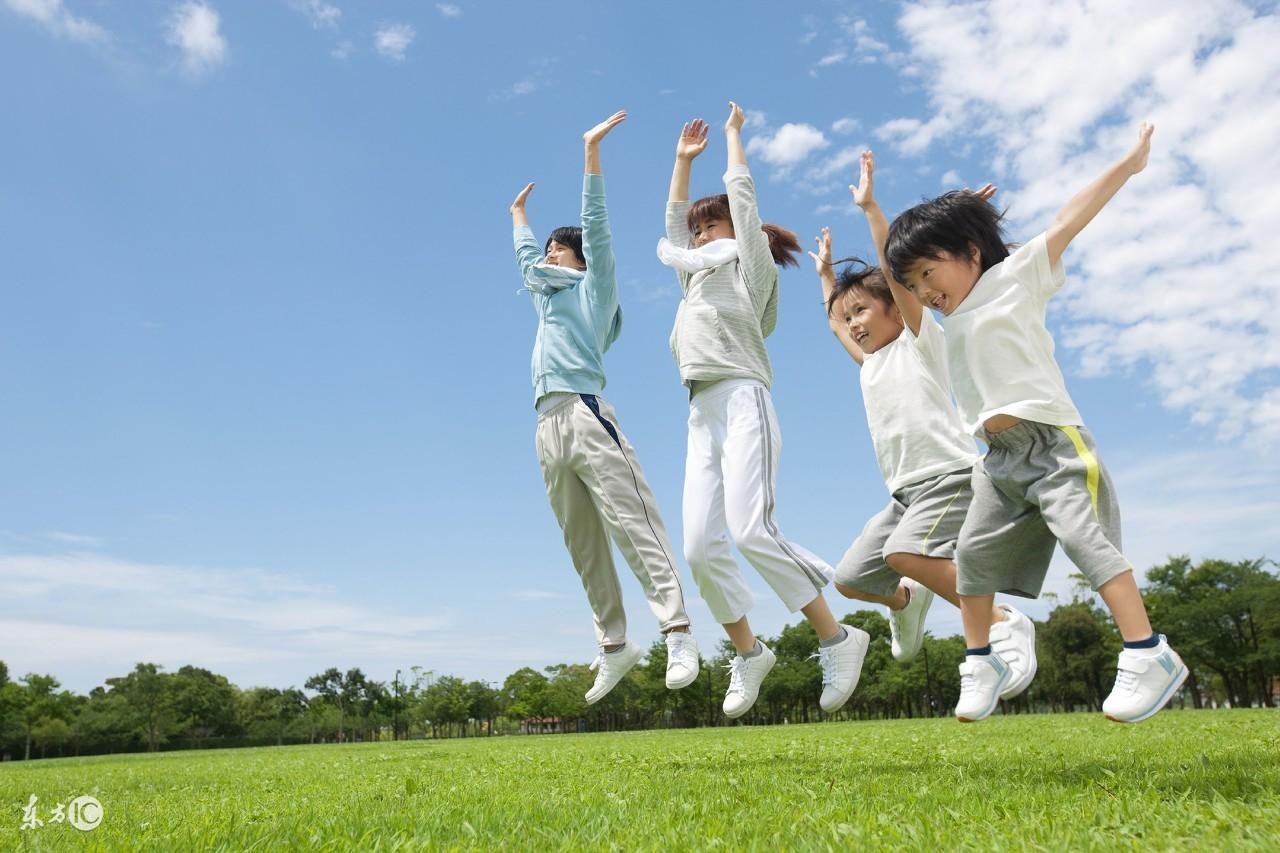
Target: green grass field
x,y
1208,780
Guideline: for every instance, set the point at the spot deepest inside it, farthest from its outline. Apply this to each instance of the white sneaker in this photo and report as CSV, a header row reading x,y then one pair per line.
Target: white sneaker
x,y
906,626
745,676
1145,680
682,659
841,666
610,667
1014,640
982,677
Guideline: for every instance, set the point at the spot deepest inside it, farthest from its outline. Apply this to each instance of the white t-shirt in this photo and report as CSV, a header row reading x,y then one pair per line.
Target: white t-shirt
x,y
914,426
999,351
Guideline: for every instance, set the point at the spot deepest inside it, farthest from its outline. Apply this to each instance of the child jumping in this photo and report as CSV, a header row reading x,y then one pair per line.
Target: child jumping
x,y
1041,481
592,475
905,552
726,262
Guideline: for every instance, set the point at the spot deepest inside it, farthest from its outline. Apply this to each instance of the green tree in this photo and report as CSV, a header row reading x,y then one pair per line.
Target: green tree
x,y
203,704
146,693
1076,650
1224,619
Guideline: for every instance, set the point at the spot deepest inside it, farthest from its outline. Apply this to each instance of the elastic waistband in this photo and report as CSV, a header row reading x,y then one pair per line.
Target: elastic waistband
x,y
1021,434
554,402
720,388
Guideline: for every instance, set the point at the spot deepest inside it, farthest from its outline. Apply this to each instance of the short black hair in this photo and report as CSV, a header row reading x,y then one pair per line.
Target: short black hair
x,y
567,235
859,275
950,224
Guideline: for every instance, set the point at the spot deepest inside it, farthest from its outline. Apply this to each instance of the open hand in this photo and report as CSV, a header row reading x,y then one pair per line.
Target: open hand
x,y
693,139
822,260
864,191
736,119
985,192
518,204
1136,160
595,134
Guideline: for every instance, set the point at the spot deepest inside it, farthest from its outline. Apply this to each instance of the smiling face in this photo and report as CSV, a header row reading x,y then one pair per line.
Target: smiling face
x,y
872,323
560,255
943,283
706,230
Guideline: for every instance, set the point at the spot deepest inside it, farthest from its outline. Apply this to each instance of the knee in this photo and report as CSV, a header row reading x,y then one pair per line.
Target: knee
x,y
847,591
749,535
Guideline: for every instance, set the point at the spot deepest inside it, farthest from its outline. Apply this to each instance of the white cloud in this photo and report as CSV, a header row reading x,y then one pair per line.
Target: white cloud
x,y
86,617
321,14
54,17
951,180
845,125
787,145
449,10
754,119
392,40
1176,281
343,49
193,29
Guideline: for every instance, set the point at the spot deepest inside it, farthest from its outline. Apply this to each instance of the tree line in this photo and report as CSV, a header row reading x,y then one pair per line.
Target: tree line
x,y
1224,618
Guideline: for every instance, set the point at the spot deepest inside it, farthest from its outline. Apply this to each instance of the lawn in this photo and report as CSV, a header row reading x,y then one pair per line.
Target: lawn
x,y
1207,779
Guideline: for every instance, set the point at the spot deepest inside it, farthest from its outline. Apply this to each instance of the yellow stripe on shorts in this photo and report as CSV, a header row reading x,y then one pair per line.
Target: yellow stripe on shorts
x,y
924,545
1090,464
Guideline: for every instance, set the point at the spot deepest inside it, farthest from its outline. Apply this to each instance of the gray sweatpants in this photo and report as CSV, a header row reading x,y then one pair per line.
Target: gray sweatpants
x,y
1037,485
597,490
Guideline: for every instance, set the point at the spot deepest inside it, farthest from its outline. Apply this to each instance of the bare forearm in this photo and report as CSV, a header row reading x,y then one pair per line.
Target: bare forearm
x,y
733,140
908,306
518,217
680,180
592,158
1083,207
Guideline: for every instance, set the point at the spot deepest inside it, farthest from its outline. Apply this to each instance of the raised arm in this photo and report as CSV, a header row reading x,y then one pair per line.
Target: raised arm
x,y
597,240
692,142
827,277
864,196
1086,204
754,257
527,251
591,141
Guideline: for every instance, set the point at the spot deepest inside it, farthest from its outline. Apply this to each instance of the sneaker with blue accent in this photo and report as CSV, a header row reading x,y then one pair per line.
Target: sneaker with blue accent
x,y
1014,639
982,679
1146,680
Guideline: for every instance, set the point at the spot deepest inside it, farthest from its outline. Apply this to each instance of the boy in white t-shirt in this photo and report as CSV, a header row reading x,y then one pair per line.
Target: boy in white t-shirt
x,y
1040,481
904,554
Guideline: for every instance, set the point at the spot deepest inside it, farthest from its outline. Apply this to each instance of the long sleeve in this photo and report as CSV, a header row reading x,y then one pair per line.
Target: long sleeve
x,y
597,242
678,231
527,251
753,244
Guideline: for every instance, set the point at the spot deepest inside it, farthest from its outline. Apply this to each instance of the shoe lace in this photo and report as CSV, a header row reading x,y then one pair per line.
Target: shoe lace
x,y
968,683
737,669
595,664
1126,680
827,661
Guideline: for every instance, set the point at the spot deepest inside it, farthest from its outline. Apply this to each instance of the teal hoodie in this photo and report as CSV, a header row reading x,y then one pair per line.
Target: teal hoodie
x,y
576,323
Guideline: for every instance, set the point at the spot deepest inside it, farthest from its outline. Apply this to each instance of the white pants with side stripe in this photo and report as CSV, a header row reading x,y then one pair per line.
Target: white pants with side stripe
x,y
597,490
729,487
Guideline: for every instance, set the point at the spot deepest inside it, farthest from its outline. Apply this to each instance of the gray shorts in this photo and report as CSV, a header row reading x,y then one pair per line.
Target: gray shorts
x,y
923,518
1037,485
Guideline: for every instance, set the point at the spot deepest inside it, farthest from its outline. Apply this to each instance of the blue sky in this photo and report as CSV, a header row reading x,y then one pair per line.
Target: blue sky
x,y
266,368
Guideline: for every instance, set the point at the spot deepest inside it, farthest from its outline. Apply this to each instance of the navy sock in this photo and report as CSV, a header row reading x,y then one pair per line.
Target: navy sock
x,y
1149,643
985,650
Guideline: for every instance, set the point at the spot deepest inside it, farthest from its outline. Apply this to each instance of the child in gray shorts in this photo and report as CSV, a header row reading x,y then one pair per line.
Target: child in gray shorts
x,y
905,553
1041,481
